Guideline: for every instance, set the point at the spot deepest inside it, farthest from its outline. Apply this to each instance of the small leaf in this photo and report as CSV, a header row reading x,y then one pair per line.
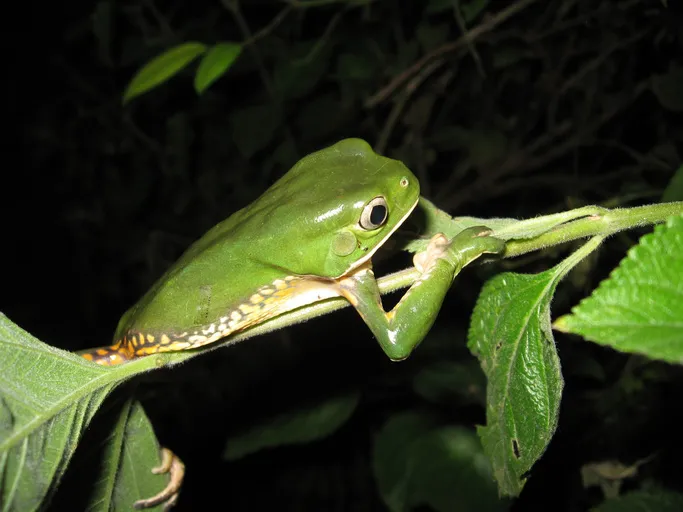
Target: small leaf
x,y
652,500
214,64
132,451
639,308
161,68
510,335
674,191
302,426
114,461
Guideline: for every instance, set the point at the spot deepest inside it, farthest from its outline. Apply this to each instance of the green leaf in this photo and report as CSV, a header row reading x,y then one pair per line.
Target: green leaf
x,y
669,88
417,463
510,335
111,469
130,454
644,501
161,68
214,64
674,191
47,399
639,308
302,426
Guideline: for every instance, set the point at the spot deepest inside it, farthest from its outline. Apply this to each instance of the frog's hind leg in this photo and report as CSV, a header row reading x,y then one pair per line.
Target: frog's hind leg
x,y
118,353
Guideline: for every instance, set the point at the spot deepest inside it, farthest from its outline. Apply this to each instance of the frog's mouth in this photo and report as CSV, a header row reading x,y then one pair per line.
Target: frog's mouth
x,y
362,261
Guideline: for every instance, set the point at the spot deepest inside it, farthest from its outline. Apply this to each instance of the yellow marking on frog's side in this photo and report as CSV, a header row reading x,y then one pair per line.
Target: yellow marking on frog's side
x,y
248,309
280,296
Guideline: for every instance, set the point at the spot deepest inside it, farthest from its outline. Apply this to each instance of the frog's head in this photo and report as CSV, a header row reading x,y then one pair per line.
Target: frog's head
x,y
345,201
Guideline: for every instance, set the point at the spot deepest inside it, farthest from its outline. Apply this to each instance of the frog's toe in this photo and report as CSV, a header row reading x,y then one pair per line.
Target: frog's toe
x,y
172,465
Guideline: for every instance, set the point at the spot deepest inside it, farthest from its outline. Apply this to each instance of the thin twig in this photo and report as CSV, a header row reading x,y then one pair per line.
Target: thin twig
x,y
401,103
465,39
470,42
234,7
275,22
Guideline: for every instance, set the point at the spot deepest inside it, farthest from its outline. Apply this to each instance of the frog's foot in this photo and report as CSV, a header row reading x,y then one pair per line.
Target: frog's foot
x,y
465,247
438,245
172,465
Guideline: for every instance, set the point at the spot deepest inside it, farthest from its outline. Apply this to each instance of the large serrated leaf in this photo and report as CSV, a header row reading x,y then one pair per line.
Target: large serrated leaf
x,y
47,399
639,308
510,335
161,68
215,63
302,426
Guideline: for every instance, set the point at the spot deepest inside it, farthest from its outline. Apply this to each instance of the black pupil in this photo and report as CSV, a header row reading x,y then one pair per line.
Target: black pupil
x,y
378,214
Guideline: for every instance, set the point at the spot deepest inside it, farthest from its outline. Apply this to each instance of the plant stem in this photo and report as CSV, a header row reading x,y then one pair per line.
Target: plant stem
x,y
564,227
606,223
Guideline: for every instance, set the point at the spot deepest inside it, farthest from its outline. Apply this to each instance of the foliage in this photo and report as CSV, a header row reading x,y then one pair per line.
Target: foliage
x,y
503,109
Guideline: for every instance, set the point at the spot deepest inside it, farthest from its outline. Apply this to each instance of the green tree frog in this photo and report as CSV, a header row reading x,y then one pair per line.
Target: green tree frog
x,y
310,236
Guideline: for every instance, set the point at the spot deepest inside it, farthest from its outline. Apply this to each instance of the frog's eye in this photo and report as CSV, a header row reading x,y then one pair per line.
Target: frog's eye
x,y
374,214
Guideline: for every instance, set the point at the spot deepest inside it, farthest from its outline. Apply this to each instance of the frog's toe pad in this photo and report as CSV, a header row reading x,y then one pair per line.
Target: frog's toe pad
x,y
172,465
436,249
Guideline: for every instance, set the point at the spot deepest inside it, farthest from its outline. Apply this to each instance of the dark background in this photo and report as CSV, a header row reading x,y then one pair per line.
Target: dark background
x,y
563,104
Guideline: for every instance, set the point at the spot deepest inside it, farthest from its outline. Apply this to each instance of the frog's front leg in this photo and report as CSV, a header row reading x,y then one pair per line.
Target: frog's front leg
x,y
400,330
